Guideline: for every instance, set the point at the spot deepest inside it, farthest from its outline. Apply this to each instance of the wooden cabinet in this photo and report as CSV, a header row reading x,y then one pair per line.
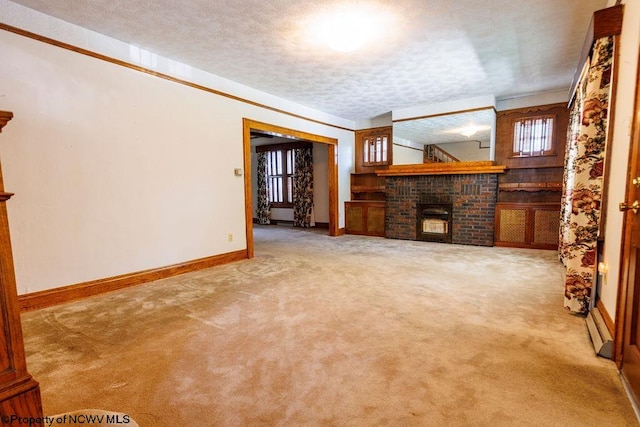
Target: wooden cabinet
x,y
527,225
365,212
365,217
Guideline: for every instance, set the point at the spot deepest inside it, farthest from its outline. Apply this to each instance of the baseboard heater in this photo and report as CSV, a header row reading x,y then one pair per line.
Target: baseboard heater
x,y
600,335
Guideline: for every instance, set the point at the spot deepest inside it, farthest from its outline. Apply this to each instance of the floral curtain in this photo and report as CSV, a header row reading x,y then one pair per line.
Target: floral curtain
x,y
303,188
583,178
263,212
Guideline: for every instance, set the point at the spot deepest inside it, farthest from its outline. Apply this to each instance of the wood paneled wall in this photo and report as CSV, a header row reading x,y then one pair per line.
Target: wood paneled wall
x,y
522,181
504,136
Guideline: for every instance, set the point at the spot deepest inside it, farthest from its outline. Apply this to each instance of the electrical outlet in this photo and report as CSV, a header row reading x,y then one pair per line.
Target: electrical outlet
x,y
230,237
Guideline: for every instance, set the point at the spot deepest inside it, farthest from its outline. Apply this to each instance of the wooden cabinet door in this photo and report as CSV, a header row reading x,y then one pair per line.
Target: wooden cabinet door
x,y
375,220
365,217
354,214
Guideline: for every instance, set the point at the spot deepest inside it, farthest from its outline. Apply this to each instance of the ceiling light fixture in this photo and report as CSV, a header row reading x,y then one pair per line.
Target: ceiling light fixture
x,y
348,27
468,131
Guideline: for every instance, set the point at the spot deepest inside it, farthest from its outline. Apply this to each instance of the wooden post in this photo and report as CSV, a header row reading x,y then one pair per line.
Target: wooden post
x,y
20,401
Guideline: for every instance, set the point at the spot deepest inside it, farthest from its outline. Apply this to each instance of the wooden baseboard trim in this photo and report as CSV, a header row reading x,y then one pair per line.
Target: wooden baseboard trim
x,y
342,231
607,319
285,222
50,297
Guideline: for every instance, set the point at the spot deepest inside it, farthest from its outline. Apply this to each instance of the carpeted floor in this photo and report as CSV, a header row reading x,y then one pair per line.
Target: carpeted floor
x,y
346,331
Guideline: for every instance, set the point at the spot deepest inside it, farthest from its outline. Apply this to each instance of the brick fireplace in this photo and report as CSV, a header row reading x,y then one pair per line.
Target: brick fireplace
x,y
472,198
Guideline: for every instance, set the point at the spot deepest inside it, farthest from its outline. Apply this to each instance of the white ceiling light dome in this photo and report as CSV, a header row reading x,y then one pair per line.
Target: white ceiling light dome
x,y
348,27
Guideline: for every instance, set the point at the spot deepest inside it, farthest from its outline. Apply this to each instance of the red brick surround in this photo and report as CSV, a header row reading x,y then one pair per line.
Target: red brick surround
x,y
473,198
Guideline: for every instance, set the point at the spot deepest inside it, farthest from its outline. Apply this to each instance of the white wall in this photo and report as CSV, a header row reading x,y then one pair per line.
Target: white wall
x,y
117,171
379,121
624,112
467,151
406,155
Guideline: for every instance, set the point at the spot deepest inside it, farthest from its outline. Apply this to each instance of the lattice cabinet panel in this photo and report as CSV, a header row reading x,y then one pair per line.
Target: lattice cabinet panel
x,y
545,226
513,226
527,225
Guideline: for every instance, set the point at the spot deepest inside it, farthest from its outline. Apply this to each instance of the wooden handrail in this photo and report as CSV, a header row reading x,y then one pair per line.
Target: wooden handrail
x,y
435,154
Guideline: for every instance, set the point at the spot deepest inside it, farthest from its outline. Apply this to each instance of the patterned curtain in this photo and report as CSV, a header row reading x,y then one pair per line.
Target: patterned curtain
x,y
583,179
303,188
263,211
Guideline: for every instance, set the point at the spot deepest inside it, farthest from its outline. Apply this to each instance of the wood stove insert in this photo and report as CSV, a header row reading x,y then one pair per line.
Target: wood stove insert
x,y
434,222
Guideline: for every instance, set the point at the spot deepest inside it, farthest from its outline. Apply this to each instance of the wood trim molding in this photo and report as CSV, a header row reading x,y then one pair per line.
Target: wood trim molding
x,y
455,168
332,160
606,317
448,113
531,111
5,116
50,297
604,22
164,76
279,130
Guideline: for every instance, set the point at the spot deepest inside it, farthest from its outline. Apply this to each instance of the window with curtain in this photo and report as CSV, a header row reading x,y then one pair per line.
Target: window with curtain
x,y
280,166
533,136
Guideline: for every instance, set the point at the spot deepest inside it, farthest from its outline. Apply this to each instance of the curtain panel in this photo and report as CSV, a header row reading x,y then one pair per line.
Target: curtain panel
x,y
263,209
583,178
303,188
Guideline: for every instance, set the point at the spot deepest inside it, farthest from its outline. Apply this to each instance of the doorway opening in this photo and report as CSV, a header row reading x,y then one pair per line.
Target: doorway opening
x,y
332,172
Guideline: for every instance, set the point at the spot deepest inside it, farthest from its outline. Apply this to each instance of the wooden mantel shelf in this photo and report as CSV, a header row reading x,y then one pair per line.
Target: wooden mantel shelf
x,y
454,168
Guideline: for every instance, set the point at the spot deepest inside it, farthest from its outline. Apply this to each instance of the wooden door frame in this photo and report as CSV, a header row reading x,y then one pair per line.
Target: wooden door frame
x,y
625,299
332,155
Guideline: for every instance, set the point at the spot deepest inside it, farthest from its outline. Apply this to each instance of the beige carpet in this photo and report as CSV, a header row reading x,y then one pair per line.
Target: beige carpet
x,y
347,331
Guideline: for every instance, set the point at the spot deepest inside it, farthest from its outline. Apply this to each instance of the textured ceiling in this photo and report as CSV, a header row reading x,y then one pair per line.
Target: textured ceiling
x,y
446,129
435,50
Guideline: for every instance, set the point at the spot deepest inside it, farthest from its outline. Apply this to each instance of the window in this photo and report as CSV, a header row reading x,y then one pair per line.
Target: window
x,y
375,150
280,171
533,136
